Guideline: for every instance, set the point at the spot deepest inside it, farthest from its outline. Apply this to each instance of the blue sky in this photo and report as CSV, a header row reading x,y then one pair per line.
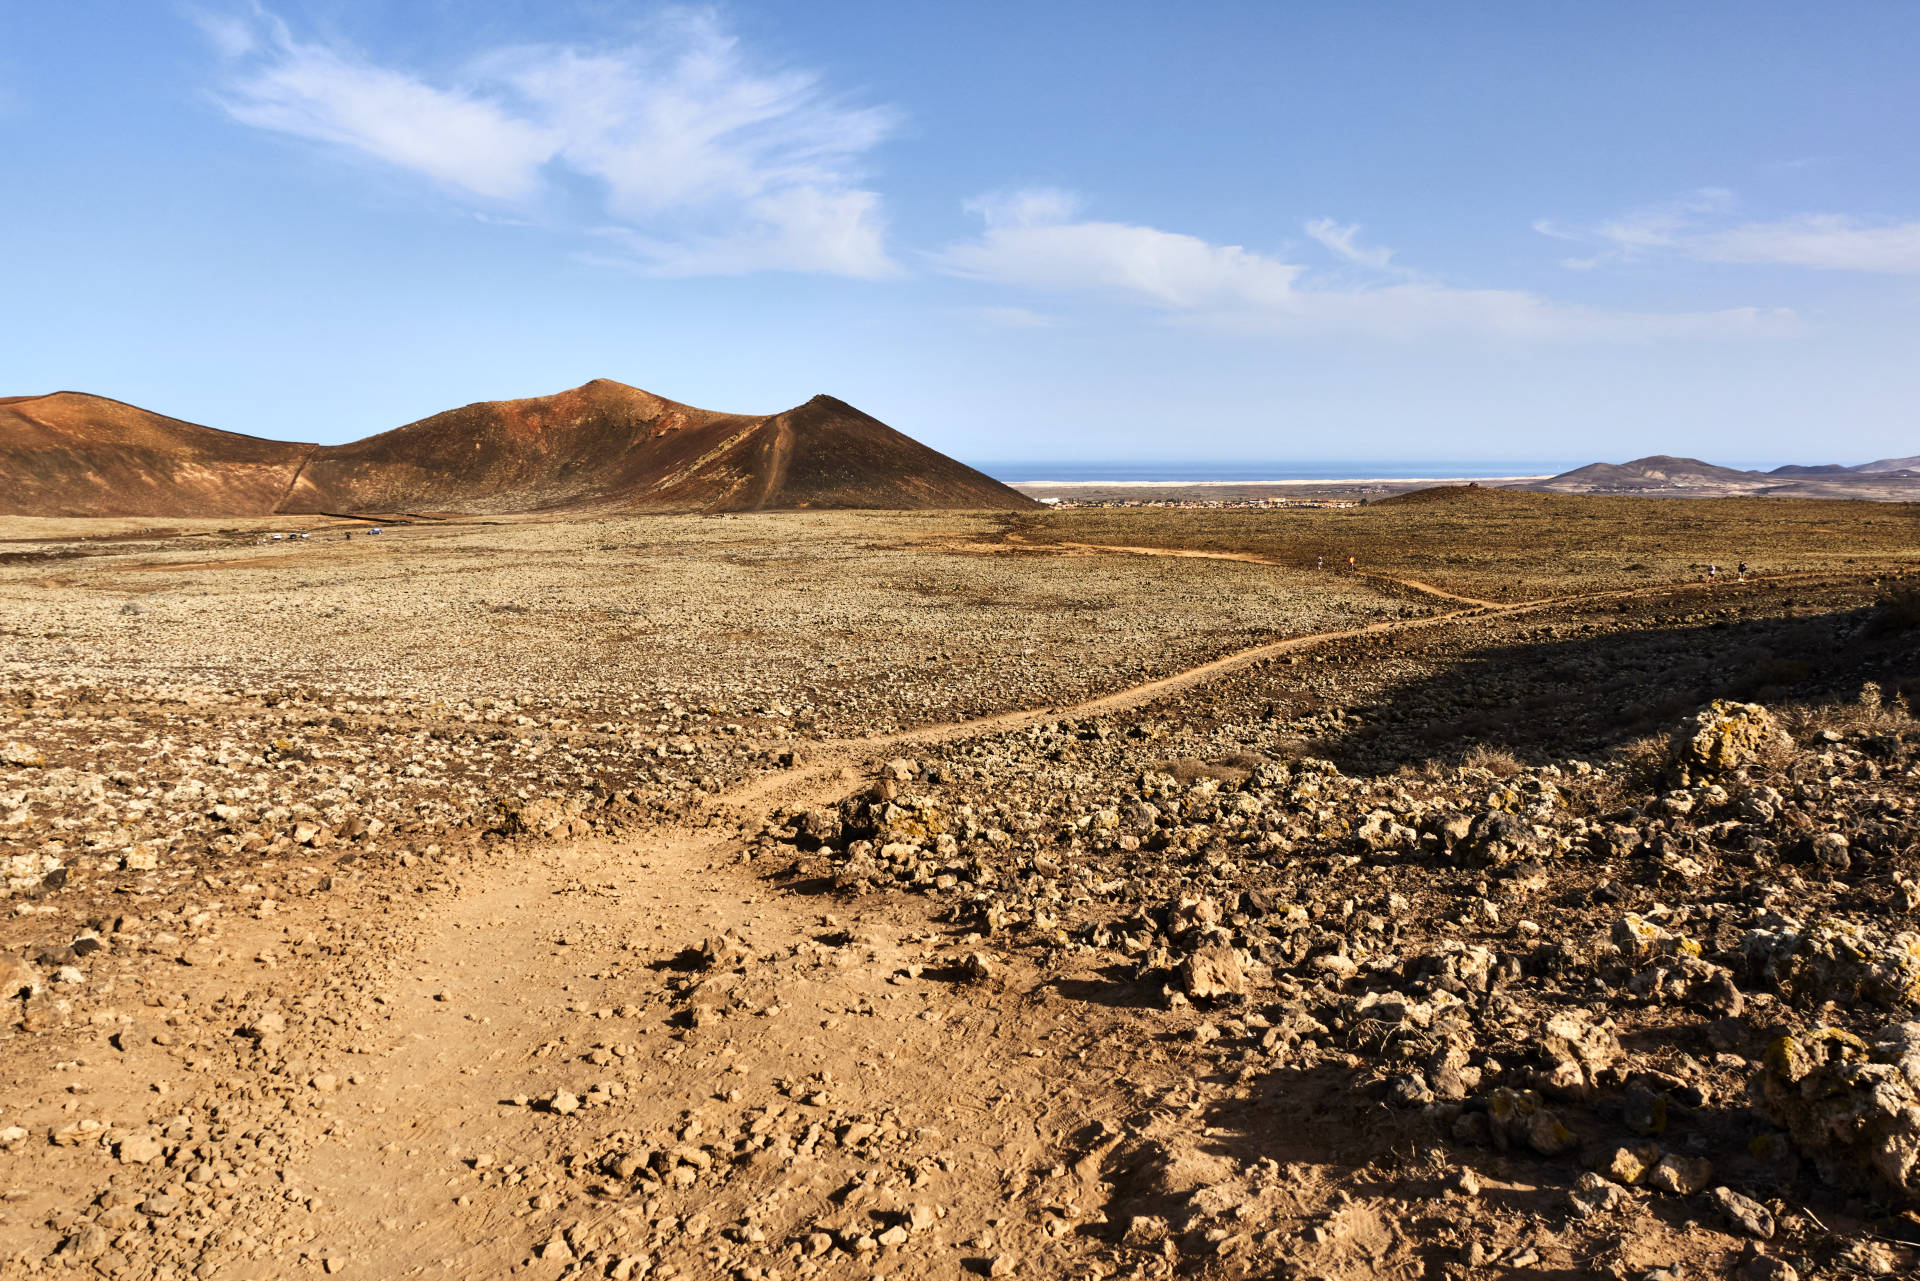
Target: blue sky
x,y
1103,230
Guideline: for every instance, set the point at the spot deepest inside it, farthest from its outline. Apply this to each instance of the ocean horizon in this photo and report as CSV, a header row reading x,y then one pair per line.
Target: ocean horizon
x,y
1014,473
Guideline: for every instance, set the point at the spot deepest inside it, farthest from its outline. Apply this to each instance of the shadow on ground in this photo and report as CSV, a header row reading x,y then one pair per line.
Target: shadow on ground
x,y
1550,697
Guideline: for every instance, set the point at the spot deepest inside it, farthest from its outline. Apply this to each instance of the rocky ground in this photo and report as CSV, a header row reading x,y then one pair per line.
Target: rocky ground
x,y
1514,546
1322,925
839,624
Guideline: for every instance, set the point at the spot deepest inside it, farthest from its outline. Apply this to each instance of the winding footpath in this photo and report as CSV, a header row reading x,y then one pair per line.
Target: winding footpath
x,y
501,990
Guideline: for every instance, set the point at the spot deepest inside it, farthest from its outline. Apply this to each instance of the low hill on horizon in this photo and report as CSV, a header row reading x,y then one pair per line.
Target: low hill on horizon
x,y
1883,465
1469,497
600,447
1663,475
1658,471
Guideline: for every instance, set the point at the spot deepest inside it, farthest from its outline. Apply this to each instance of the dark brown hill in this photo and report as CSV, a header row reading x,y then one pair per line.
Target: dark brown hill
x,y
1471,497
601,447
71,454
601,444
829,454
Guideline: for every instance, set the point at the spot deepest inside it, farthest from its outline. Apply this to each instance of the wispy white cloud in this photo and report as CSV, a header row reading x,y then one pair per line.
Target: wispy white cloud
x,y
1032,241
1635,235
457,137
704,162
1018,318
1028,207
1702,227
1345,241
796,229
1828,241
233,35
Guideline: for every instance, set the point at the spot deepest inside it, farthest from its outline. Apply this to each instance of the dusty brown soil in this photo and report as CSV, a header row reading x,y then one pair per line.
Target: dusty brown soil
x,y
779,897
1510,545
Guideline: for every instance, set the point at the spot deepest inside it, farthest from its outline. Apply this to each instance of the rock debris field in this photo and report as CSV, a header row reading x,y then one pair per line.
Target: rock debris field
x,y
856,894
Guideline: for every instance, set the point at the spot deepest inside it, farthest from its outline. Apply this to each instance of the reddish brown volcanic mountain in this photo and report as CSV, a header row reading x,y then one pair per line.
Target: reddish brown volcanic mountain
x,y
70,454
601,447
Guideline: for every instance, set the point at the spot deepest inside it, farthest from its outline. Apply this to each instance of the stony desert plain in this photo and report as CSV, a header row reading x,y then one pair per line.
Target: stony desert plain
x,y
1079,894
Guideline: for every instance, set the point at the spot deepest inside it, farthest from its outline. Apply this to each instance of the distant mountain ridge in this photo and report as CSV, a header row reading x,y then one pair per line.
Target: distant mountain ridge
x,y
1666,474
603,446
1910,463
1651,472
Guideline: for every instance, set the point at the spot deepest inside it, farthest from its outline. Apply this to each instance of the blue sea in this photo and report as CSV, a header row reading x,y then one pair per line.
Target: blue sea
x,y
1248,472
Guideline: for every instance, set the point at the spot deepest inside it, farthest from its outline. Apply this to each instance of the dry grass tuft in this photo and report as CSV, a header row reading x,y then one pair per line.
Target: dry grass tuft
x,y
1188,769
1871,711
1898,611
1496,761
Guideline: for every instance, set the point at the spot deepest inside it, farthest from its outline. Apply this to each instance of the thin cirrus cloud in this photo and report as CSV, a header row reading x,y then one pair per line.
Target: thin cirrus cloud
x,y
1345,241
705,163
1828,241
1018,318
1701,226
1036,241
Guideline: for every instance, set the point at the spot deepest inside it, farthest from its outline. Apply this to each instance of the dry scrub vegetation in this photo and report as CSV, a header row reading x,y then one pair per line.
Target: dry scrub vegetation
x,y
1511,545
825,894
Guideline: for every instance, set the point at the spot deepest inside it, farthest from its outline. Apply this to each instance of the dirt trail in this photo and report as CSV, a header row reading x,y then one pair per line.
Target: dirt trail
x,y
883,1081
1431,590
536,961
1475,603
1137,695
294,479
775,478
1249,558
529,951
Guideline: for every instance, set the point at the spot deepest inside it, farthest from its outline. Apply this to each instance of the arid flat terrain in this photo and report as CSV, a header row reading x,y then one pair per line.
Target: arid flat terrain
x,y
1513,546
1077,894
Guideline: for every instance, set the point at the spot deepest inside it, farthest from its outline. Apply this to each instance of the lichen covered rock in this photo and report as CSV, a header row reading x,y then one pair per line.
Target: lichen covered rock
x,y
1640,939
1835,959
1498,837
21,756
547,816
1382,832
1518,1120
1853,1108
1580,1052
1725,738
909,818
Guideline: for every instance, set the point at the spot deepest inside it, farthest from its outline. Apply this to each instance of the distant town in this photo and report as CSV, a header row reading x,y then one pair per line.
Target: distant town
x,y
1224,504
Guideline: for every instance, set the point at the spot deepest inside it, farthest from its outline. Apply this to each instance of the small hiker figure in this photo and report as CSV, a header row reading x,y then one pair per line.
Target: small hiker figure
x,y
1349,563
1319,562
1713,572
1743,571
